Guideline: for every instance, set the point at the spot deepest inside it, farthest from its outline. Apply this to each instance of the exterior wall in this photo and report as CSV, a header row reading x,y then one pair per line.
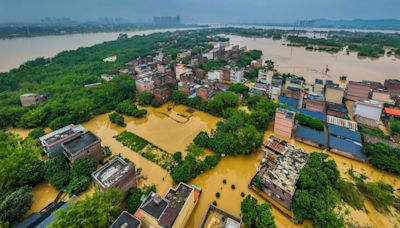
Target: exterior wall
x,y
185,212
314,144
32,100
214,75
95,152
148,220
125,183
162,95
144,86
282,197
203,93
334,95
226,74
357,91
345,154
368,111
237,75
318,88
335,113
383,97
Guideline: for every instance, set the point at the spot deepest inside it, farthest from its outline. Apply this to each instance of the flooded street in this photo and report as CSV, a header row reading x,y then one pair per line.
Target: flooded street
x,y
312,64
162,129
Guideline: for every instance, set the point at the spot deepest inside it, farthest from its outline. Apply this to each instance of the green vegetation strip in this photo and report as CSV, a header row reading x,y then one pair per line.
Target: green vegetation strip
x,y
146,149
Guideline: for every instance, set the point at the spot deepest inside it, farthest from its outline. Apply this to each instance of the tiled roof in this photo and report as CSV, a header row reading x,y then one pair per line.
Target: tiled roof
x,y
347,146
310,134
344,132
313,114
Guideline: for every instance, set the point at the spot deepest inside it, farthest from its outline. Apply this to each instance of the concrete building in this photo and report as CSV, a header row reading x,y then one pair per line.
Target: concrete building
x,y
226,74
171,211
276,87
334,94
204,92
144,85
338,110
284,122
83,145
342,123
318,86
181,69
310,136
293,93
294,83
369,109
382,96
256,63
236,74
280,170
111,58
52,142
265,76
316,103
393,86
215,75
126,220
162,94
218,218
117,173
357,91
32,99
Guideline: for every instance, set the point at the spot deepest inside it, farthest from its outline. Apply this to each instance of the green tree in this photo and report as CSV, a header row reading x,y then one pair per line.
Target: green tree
x,y
201,139
145,98
254,215
15,205
103,208
78,185
178,97
117,119
36,133
31,173
239,88
84,166
60,179
53,165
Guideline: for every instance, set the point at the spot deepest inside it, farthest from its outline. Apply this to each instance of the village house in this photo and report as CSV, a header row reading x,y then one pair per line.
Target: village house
x,y
358,91
368,108
310,136
236,74
83,145
284,122
382,96
280,170
117,173
52,142
338,110
144,85
32,99
111,58
276,87
318,86
162,94
294,83
265,76
172,211
214,75
217,218
316,103
293,93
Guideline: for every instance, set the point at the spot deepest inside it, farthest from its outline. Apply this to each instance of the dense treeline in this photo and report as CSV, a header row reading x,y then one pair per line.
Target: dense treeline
x,y
383,157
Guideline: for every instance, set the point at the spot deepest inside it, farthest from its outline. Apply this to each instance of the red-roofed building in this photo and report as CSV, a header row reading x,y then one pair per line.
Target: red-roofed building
x,y
392,113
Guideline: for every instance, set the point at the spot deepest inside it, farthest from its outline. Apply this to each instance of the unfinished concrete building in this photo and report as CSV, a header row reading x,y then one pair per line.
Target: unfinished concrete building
x,y
280,170
117,173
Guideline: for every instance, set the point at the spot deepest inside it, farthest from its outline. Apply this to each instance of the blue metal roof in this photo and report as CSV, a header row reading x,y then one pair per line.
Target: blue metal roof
x,y
347,146
313,114
289,101
344,132
310,134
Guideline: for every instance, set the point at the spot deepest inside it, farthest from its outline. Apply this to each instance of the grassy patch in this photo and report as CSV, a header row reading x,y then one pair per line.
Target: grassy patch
x,y
146,149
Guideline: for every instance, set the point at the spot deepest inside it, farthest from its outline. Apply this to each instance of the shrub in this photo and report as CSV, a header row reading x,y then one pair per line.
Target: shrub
x,y
255,215
54,165
313,123
350,194
145,98
36,133
224,181
201,139
117,118
233,187
32,173
217,195
178,157
379,193
155,103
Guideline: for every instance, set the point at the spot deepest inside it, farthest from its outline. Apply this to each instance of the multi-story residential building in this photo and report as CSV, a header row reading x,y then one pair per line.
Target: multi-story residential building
x,y
126,220
172,211
204,92
382,96
369,109
334,94
284,122
52,142
280,170
83,145
276,87
236,74
32,99
181,69
214,75
144,85
226,74
265,76
318,86
294,83
294,93
117,173
357,91
316,103
162,94
393,86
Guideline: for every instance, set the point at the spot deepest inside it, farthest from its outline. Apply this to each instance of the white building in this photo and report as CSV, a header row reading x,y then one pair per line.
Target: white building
x,y
237,74
209,55
214,75
181,69
111,58
265,76
369,109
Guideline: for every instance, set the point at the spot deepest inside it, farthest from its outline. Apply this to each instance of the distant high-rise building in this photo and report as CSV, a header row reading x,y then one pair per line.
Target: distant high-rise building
x,y
167,20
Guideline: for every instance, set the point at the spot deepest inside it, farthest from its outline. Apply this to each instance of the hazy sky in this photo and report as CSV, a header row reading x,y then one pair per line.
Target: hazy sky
x,y
207,11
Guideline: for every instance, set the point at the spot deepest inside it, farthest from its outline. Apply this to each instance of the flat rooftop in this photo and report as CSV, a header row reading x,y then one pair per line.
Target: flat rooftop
x,y
60,134
218,218
287,169
112,172
126,220
78,143
288,114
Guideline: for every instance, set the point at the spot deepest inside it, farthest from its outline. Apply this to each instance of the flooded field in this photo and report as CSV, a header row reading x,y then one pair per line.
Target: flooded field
x,y
312,64
165,129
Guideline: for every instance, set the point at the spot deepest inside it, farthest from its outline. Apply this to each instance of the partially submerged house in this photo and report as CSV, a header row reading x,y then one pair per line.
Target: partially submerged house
x,y
171,211
52,142
217,218
83,145
33,98
117,173
280,170
310,136
284,122
126,220
345,142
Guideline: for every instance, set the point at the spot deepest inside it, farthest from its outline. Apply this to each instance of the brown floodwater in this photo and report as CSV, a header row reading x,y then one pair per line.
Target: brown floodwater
x,y
312,64
43,195
165,129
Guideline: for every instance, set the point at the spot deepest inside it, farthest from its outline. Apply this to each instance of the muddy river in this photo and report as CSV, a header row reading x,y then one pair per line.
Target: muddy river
x,y
166,129
313,64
